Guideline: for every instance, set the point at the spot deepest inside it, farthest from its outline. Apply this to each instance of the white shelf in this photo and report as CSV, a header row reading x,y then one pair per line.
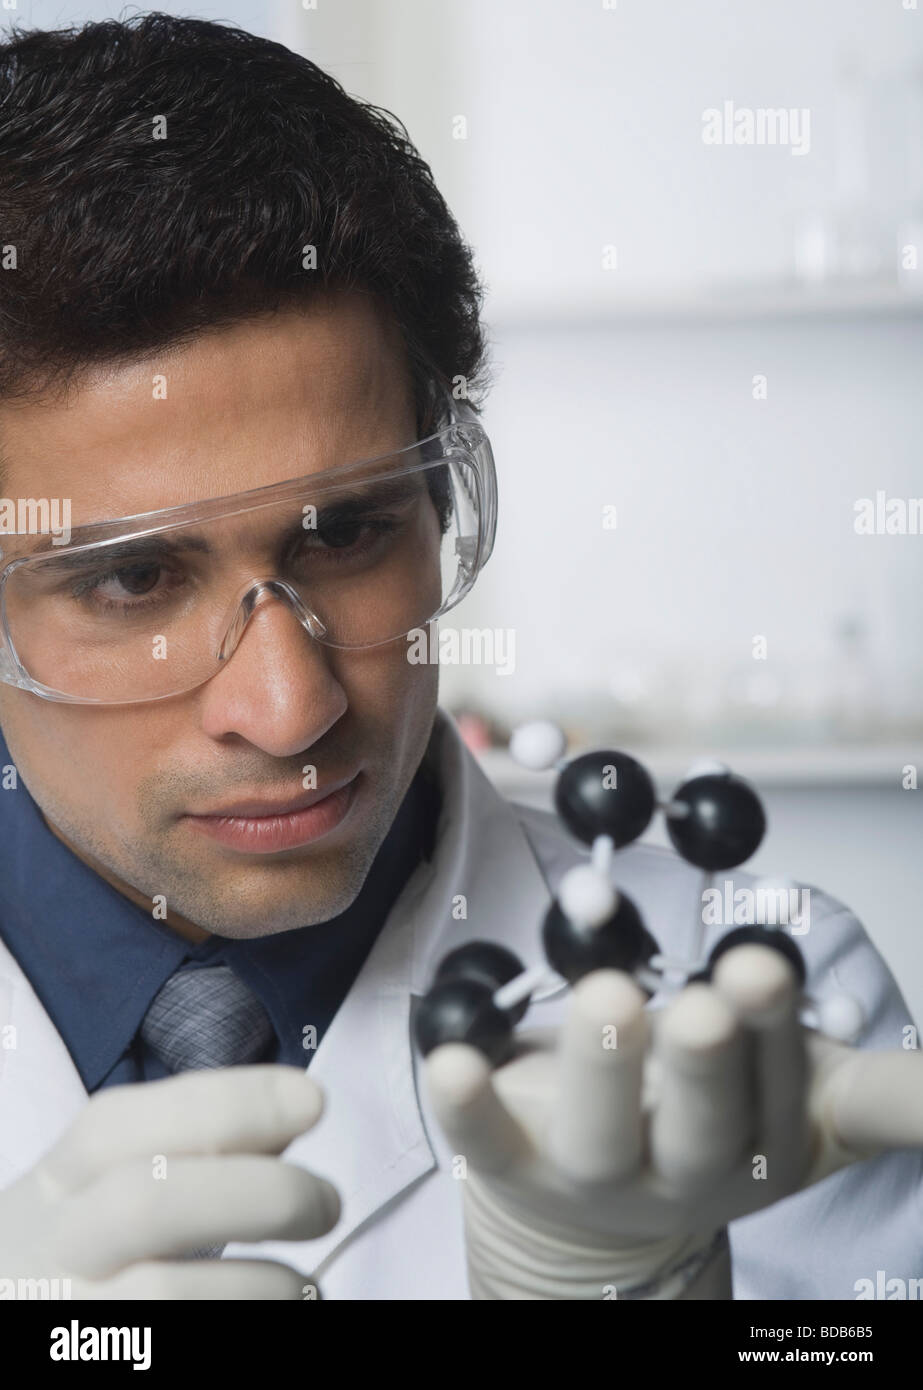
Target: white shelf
x,y
717,304
843,765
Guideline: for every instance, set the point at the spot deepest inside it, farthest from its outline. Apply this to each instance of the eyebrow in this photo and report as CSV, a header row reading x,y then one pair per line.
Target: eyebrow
x,y
144,548
159,546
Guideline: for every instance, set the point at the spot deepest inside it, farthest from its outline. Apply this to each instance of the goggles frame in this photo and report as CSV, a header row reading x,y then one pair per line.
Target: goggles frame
x,y
463,439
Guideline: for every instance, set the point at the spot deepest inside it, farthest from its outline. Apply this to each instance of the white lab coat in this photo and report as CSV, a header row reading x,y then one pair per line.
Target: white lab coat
x,y
401,1234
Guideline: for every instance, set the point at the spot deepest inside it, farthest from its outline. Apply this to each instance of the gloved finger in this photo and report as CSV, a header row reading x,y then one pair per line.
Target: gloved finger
x,y
596,1126
253,1109
474,1119
129,1215
761,985
704,1116
213,1279
873,1101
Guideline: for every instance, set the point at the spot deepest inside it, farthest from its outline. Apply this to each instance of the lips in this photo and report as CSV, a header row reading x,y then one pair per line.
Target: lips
x,y
298,823
258,809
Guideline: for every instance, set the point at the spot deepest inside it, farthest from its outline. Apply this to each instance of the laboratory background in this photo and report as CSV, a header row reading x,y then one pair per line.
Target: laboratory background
x,y
700,228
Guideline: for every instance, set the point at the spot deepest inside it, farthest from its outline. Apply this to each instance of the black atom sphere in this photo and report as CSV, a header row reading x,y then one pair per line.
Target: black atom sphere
x,y
464,1011
759,936
725,822
486,962
605,793
621,943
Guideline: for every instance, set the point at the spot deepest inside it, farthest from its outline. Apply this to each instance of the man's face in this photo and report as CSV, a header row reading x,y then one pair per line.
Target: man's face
x,y
245,407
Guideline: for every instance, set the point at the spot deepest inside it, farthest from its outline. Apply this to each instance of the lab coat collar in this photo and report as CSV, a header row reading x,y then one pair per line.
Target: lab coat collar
x,y
483,881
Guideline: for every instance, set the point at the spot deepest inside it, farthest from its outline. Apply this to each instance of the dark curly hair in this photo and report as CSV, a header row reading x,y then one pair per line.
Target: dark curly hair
x,y
124,243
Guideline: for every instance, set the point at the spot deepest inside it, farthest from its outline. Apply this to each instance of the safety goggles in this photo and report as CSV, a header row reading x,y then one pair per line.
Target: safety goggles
x,y
149,606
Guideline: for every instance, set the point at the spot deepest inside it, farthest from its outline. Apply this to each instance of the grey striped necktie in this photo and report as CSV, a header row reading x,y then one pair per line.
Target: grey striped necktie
x,y
206,1017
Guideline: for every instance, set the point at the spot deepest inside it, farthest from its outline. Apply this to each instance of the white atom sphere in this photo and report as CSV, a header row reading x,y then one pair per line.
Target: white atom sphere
x,y
537,745
586,896
841,1017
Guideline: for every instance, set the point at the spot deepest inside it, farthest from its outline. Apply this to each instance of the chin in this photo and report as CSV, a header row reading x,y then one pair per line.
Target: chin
x,y
303,906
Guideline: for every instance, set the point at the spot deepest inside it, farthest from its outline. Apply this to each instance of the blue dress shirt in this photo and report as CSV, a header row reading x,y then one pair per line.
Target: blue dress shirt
x,y
96,959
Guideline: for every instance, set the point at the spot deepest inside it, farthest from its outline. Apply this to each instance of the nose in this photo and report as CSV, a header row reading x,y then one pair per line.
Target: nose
x,y
278,691
259,591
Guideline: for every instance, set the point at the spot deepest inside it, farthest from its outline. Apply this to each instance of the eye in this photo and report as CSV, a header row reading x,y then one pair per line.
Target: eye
x,y
350,536
343,532
134,579
129,588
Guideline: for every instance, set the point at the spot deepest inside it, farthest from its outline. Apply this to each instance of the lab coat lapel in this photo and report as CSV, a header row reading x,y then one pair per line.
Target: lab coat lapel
x,y
371,1141
41,1092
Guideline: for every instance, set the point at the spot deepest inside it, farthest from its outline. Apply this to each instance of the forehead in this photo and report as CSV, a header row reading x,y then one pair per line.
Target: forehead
x,y
238,408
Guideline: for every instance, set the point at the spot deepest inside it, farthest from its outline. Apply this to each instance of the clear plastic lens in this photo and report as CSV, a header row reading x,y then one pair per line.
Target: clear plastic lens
x,y
144,616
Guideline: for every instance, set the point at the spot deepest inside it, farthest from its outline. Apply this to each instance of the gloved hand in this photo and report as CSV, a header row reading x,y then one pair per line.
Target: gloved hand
x,y
150,1172
610,1171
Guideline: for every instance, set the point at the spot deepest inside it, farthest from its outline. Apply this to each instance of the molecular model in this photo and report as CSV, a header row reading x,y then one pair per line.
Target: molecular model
x,y
607,799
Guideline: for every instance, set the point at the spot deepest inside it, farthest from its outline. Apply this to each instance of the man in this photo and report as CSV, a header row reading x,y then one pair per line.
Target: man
x,y
237,327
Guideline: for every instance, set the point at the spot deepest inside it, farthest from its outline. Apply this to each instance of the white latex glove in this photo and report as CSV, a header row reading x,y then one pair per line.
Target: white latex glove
x,y
95,1212
609,1172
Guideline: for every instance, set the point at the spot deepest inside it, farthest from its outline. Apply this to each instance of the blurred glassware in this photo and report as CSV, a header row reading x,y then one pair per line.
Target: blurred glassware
x,y
910,227
853,682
